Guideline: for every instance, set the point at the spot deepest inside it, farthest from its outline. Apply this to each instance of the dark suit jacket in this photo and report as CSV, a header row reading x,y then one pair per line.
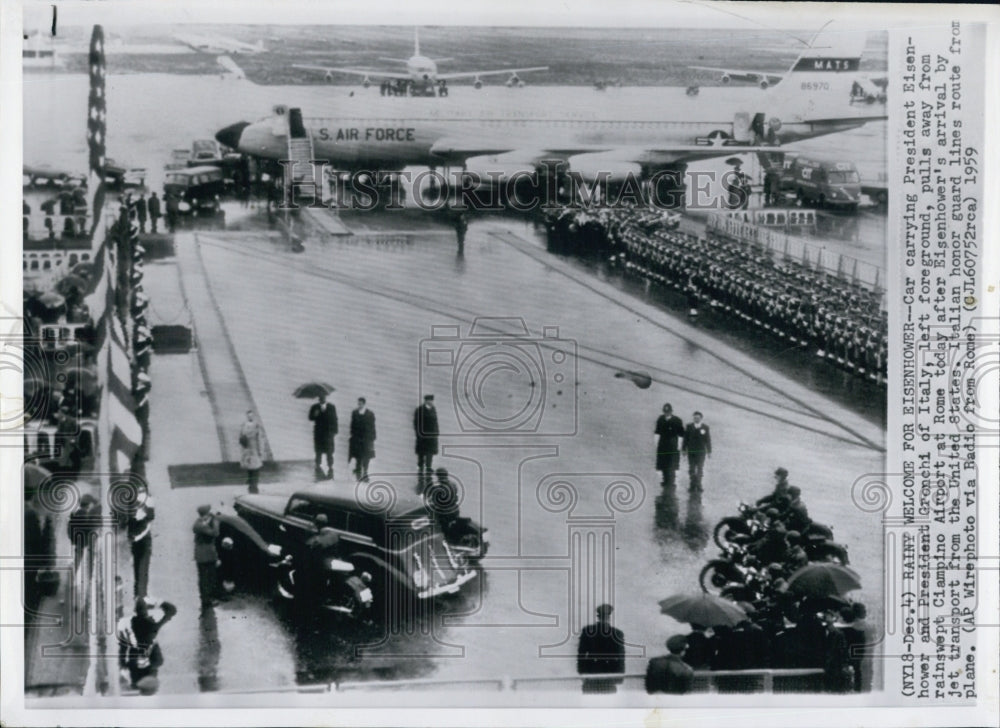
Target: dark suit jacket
x,y
425,426
324,425
668,674
602,650
697,438
667,452
362,442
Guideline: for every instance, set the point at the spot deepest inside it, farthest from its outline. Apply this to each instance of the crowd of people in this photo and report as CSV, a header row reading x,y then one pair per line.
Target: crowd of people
x,y
785,627
839,319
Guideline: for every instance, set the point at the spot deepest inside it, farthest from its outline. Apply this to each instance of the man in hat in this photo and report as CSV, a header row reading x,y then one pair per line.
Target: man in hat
x,y
780,489
206,532
669,427
601,651
425,427
697,446
140,536
361,446
323,415
139,654
141,212
669,673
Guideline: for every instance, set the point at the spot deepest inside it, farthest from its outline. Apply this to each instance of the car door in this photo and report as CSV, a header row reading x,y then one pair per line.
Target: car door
x,y
298,523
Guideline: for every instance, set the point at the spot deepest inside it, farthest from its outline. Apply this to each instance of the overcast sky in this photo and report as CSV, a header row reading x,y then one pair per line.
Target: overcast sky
x,y
621,13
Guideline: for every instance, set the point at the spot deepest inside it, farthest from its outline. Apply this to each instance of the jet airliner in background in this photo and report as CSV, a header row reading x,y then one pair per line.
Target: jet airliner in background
x,y
217,44
422,70
643,132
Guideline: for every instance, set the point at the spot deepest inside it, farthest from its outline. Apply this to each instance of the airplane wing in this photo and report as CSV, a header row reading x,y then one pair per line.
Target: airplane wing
x,y
742,73
355,72
499,72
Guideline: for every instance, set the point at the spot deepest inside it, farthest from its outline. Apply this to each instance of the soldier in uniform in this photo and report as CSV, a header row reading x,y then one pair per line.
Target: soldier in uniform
x,y
669,427
206,531
697,446
601,651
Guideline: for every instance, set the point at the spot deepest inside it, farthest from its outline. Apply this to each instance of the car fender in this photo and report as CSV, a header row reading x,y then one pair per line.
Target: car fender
x,y
244,529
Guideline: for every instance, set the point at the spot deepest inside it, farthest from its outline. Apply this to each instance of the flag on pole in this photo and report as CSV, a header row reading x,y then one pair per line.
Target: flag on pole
x,y
96,128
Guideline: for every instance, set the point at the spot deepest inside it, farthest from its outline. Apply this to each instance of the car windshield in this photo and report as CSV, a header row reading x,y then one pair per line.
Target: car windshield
x,y
850,177
177,179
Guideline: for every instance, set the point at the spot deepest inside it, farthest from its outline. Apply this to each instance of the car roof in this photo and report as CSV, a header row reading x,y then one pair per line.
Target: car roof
x,y
407,505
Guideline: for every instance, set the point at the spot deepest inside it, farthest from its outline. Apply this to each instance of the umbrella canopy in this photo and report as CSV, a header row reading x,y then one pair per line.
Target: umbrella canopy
x,y
823,579
734,161
83,270
705,609
310,390
34,476
84,379
70,283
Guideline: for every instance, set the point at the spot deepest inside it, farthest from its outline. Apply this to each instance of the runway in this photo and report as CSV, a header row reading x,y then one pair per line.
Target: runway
x,y
355,314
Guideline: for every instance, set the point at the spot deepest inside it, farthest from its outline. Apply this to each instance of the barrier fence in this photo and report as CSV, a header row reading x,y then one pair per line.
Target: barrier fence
x,y
794,247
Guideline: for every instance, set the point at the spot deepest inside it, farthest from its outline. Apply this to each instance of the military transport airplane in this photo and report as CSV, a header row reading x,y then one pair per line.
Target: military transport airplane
x,y
762,78
423,70
643,132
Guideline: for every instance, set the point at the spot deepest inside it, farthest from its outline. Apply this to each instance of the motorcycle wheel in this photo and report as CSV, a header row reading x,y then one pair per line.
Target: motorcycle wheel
x,y
723,528
714,577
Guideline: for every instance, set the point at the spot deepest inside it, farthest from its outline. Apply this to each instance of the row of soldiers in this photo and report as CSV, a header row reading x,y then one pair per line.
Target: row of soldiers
x,y
839,319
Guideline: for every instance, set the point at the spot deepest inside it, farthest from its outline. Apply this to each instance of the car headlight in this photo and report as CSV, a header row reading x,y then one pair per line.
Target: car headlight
x,y
227,543
274,549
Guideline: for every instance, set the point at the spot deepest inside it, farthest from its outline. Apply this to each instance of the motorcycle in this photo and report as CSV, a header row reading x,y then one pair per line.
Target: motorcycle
x,y
340,590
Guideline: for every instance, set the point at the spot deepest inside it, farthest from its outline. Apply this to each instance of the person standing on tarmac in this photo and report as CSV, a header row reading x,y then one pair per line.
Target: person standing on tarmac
x,y
425,427
697,446
154,212
669,427
361,446
206,531
141,211
461,227
601,651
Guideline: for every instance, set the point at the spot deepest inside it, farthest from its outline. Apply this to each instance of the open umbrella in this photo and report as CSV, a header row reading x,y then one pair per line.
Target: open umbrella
x,y
70,283
51,300
705,609
733,161
310,390
823,579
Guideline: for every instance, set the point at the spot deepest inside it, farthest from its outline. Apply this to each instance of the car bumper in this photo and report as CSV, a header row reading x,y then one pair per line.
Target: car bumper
x,y
450,588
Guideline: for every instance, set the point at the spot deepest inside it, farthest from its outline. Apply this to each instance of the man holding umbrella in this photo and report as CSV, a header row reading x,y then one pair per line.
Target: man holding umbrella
x,y
323,415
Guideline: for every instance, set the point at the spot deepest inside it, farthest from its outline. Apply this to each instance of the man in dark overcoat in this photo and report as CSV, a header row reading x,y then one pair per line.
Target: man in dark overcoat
x,y
669,428
361,446
601,652
425,428
323,415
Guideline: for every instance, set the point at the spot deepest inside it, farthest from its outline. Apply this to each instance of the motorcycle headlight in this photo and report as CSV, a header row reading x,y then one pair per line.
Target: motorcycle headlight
x,y
274,549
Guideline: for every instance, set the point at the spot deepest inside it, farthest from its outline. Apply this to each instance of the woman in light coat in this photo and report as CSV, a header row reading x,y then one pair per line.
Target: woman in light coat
x,y
251,447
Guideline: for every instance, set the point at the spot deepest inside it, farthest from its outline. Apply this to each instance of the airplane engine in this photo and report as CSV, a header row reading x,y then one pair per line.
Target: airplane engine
x,y
328,77
764,84
495,170
366,82
478,83
514,81
725,78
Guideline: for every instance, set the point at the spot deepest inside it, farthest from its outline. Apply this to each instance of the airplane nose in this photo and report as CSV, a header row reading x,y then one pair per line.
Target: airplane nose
x,y
230,136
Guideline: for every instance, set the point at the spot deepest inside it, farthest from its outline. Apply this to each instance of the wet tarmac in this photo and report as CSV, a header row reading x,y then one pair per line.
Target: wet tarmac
x,y
358,312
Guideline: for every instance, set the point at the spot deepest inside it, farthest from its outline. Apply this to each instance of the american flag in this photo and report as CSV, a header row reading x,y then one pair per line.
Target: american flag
x,y
97,127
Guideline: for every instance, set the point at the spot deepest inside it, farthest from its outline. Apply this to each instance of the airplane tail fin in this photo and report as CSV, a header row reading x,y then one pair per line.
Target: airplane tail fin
x,y
416,41
824,76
